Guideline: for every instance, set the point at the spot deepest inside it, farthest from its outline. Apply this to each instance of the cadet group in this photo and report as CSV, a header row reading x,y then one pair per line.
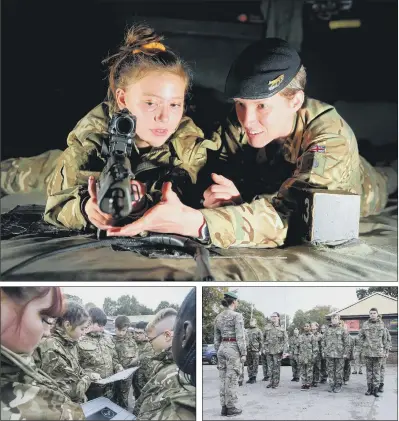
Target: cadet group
x,y
320,354
76,363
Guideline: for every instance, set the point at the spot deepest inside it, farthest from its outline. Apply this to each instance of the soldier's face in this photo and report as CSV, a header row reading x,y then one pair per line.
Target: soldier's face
x,y
160,340
22,335
335,320
157,100
274,319
323,329
296,332
306,328
314,327
121,332
140,335
373,315
265,120
77,332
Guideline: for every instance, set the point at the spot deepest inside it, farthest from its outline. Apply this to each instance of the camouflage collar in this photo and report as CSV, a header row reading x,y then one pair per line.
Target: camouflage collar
x,y
60,333
165,356
95,334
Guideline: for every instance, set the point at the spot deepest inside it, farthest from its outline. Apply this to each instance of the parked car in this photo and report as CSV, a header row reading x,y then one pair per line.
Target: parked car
x,y
209,354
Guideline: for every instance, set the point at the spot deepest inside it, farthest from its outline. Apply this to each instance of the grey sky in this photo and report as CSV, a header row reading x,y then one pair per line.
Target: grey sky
x,y
290,299
148,296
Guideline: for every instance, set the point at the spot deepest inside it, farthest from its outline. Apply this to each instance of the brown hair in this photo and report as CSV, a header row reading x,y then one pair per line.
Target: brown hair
x,y
141,53
298,83
25,295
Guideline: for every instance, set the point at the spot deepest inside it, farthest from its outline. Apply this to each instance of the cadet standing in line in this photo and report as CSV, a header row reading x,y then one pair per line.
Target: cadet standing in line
x,y
275,339
97,354
375,347
26,392
254,348
294,354
231,348
57,355
350,357
323,365
146,352
126,349
317,360
335,348
241,376
275,141
384,361
265,351
357,351
308,352
164,378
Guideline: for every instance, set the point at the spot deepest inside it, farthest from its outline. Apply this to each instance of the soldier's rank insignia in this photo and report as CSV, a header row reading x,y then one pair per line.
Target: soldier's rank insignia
x,y
273,84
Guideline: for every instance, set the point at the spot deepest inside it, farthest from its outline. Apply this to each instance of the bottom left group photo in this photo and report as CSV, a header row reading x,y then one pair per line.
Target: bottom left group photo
x,y
98,353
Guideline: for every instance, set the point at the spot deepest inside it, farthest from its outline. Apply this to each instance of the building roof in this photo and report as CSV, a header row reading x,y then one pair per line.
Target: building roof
x,y
384,303
135,319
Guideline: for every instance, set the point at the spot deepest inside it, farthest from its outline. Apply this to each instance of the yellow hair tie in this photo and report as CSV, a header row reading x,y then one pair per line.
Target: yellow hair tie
x,y
150,46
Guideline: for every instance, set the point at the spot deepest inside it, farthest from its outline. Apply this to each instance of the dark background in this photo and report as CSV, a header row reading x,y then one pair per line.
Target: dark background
x,y
52,51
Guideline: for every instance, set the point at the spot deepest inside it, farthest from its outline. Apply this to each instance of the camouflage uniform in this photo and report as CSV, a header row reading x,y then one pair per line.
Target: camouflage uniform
x,y
335,347
230,345
142,374
317,359
27,393
97,354
357,351
166,396
374,340
57,356
347,365
384,359
127,351
275,340
321,152
265,351
308,347
323,362
294,353
253,348
241,376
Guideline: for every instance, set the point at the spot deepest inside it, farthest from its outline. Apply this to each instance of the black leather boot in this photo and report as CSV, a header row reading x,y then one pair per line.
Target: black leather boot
x,y
381,388
369,390
233,411
240,383
375,391
224,410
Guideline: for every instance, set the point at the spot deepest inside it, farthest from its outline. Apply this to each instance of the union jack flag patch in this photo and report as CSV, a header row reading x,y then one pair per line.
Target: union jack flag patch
x,y
318,148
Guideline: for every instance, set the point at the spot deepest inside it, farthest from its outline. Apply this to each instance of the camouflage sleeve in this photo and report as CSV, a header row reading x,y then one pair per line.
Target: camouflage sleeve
x,y
217,337
389,340
117,366
67,189
260,337
286,344
240,336
346,343
315,347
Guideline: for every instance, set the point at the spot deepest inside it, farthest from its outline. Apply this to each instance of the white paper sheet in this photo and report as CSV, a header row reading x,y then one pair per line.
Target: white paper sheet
x,y
122,375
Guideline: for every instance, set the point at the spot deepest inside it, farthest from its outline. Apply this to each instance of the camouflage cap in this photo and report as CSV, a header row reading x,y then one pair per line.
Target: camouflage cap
x,y
262,69
231,294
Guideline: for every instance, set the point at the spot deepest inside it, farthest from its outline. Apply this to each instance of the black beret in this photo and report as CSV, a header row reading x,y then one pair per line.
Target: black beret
x,y
262,69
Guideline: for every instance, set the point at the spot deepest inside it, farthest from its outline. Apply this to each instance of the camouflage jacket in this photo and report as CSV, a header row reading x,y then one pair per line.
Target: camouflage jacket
x,y
58,356
67,189
308,348
127,350
293,345
146,355
318,337
230,324
335,342
97,354
374,339
27,393
351,355
321,152
166,396
275,340
255,339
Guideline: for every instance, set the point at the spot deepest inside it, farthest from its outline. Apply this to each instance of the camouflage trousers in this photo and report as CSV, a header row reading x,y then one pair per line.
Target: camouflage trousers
x,y
295,367
359,361
229,366
122,389
25,175
241,376
382,372
274,364
373,370
306,371
316,370
265,367
335,371
252,363
347,370
323,369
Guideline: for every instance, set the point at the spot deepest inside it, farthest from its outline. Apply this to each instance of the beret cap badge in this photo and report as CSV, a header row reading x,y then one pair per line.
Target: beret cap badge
x,y
273,84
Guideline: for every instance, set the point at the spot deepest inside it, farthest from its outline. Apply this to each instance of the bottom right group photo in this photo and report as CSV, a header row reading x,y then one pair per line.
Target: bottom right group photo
x,y
300,353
